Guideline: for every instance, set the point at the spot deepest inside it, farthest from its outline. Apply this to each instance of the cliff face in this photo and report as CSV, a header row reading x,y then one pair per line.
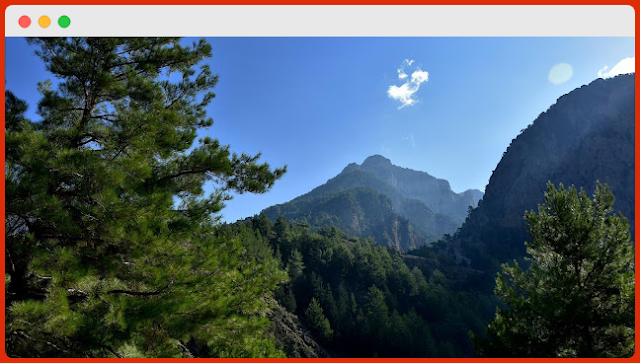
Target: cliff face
x,y
588,135
435,193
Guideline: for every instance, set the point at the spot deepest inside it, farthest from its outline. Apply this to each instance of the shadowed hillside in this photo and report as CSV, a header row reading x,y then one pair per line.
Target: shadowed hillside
x,y
587,135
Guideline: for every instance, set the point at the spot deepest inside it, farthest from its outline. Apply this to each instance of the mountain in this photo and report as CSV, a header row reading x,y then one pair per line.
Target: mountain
x,y
396,206
363,212
434,193
588,135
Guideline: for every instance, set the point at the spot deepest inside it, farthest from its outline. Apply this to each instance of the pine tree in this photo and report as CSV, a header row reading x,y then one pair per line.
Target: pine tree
x,y
577,297
318,322
288,299
111,247
264,225
376,314
281,228
295,267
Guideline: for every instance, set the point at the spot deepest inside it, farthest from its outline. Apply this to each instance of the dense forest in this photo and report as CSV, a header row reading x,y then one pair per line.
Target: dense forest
x,y
113,249
361,299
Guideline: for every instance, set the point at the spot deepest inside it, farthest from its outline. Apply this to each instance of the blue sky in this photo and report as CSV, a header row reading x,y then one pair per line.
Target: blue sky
x,y
318,104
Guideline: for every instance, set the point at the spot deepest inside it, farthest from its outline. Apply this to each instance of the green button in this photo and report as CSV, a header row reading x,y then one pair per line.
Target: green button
x,y
64,21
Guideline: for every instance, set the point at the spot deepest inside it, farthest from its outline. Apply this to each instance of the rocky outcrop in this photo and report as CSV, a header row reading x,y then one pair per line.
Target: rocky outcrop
x,y
588,135
292,337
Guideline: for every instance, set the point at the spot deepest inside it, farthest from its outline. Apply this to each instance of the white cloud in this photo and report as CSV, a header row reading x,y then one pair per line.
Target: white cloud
x,y
627,65
405,92
419,76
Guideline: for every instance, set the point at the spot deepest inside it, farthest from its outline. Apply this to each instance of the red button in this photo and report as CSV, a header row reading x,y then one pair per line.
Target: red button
x,y
24,21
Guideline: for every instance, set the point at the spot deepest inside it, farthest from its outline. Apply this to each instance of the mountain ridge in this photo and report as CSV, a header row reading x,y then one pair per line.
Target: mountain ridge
x,y
421,224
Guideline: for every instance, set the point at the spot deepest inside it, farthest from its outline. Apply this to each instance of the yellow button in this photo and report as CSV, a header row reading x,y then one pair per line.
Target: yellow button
x,y
44,21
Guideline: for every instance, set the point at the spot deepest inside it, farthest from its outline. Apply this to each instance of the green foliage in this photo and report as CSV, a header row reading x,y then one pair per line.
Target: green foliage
x,y
317,321
286,298
577,297
111,247
295,267
376,314
374,304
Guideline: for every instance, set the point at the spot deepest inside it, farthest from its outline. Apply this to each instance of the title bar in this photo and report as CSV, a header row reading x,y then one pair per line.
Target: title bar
x,y
318,20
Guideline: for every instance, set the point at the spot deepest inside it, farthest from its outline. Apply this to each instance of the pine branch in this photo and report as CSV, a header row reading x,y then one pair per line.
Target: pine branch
x,y
141,293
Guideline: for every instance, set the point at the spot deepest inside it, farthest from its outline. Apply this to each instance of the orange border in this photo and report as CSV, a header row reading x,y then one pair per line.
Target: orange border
x,y
4,6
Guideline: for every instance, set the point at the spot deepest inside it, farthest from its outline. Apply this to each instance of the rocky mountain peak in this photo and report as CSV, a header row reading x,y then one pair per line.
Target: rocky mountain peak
x,y
376,161
351,167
